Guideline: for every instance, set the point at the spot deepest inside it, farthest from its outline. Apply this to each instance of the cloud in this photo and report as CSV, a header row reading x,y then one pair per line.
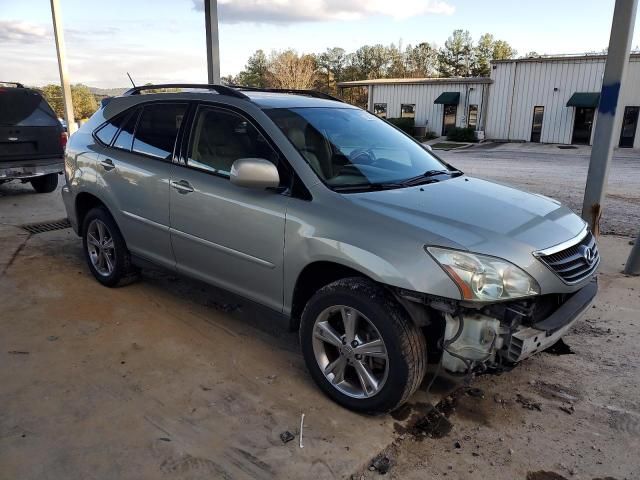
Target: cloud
x,y
295,11
23,32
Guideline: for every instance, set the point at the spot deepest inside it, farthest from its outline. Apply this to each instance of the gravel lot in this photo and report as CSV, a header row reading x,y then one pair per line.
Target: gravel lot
x,y
560,174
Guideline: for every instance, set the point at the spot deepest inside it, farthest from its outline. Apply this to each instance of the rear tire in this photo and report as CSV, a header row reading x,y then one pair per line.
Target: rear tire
x,y
400,346
105,249
45,183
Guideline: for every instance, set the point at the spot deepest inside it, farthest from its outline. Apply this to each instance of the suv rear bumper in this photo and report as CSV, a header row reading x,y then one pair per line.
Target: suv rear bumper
x,y
30,169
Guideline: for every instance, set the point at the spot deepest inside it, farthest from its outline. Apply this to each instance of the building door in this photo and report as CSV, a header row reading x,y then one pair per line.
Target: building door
x,y
449,118
582,126
629,127
536,125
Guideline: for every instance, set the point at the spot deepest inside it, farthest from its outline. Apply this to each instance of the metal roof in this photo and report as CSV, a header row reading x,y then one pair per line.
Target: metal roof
x,y
562,58
415,81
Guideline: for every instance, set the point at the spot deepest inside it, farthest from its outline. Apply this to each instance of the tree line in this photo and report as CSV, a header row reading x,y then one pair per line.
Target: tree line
x,y
460,56
84,102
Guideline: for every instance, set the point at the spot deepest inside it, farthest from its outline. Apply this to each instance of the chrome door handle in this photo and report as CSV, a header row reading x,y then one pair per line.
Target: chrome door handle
x,y
182,186
107,164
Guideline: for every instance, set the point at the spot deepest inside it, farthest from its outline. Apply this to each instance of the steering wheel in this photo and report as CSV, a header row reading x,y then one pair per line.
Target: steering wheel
x,y
362,156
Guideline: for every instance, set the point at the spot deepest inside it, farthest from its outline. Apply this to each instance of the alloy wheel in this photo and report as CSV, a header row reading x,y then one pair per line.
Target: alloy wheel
x,y
350,351
101,248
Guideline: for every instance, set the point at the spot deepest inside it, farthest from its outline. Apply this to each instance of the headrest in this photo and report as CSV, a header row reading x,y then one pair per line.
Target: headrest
x,y
297,137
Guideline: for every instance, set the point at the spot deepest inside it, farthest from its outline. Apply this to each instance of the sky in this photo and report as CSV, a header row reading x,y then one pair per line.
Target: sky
x,y
164,41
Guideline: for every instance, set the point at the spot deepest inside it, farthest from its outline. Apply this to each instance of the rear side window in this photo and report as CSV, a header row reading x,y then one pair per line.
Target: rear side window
x,y
106,133
157,129
25,108
124,139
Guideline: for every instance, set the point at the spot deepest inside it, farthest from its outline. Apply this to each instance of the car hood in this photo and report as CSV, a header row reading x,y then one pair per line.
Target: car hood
x,y
478,215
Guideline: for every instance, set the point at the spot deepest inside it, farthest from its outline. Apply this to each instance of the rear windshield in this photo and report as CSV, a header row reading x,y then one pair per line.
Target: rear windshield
x,y
25,108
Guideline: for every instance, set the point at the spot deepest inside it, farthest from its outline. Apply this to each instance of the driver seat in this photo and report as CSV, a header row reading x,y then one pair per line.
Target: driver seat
x,y
299,140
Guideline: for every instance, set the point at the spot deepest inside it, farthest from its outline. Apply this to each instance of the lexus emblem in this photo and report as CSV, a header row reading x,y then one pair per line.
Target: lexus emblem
x,y
588,254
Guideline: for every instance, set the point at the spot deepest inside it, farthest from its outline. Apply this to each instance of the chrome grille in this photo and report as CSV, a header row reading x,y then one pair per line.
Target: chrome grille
x,y
572,264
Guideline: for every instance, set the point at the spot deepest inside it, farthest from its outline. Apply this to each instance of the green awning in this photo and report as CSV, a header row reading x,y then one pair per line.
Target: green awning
x,y
584,100
448,98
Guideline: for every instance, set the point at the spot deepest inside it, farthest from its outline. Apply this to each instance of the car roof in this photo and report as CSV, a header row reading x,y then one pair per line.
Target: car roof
x,y
287,100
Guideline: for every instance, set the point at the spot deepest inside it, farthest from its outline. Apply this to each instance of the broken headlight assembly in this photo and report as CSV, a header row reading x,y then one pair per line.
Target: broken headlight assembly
x,y
484,278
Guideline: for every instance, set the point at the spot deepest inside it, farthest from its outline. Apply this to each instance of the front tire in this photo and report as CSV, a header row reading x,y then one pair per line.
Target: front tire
x,y
45,183
361,347
105,249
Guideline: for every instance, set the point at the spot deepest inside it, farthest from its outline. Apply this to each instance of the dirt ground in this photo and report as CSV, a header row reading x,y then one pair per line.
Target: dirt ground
x,y
167,378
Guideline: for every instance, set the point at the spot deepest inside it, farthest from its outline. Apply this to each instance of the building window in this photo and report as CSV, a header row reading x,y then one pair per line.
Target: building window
x,y
472,119
380,109
408,110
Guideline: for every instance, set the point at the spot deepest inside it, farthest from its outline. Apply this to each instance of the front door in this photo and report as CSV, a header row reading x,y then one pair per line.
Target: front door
x,y
226,235
536,125
449,118
629,127
582,126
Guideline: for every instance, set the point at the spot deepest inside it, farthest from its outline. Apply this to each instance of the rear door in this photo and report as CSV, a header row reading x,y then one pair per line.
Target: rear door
x,y
134,173
29,129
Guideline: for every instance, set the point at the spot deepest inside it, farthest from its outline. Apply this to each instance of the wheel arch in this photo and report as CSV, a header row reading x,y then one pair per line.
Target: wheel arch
x,y
84,202
320,273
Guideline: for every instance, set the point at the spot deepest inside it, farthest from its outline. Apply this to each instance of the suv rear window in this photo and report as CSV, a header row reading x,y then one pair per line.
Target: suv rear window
x,y
157,129
22,107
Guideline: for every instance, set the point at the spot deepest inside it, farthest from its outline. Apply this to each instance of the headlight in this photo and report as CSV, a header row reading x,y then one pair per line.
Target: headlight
x,y
484,278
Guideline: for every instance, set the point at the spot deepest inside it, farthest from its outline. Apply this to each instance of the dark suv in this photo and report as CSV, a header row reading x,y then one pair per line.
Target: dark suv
x,y
32,140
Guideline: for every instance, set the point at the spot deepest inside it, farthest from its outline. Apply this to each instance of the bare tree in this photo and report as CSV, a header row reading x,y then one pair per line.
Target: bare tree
x,y
287,69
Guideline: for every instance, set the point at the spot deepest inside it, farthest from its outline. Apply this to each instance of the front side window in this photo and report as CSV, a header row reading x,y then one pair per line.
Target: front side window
x,y
221,137
350,148
380,109
158,128
408,110
473,116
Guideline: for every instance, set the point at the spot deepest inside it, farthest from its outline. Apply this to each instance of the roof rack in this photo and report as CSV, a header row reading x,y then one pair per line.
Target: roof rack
x,y
221,89
18,85
309,93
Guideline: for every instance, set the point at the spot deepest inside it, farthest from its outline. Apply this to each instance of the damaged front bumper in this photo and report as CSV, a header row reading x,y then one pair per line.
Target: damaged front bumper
x,y
494,336
484,336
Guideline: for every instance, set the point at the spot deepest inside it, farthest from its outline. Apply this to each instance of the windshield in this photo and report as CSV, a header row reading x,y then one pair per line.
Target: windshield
x,y
350,148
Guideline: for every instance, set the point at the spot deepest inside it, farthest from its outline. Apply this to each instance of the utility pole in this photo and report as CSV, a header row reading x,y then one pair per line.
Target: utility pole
x,y
62,66
624,16
213,42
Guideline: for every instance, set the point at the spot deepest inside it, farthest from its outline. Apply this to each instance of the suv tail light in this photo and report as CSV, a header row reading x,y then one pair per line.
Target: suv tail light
x,y
63,140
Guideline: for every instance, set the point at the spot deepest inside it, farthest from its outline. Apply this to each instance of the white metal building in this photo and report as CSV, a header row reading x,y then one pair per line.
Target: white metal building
x,y
555,100
437,103
544,99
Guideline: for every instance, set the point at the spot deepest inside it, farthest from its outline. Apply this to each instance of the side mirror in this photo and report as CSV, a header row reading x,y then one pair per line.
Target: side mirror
x,y
428,148
254,173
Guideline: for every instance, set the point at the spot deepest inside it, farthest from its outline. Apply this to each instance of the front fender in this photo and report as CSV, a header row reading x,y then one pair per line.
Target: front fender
x,y
401,263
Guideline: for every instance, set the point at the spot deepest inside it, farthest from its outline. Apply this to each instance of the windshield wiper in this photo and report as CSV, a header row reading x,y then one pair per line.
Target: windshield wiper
x,y
366,187
427,177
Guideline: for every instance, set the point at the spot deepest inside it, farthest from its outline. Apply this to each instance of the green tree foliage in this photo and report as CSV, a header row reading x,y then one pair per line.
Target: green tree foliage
x,y
422,60
256,71
457,57
84,102
331,65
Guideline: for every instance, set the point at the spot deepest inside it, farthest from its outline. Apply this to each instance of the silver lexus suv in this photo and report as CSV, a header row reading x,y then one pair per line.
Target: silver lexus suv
x,y
363,239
